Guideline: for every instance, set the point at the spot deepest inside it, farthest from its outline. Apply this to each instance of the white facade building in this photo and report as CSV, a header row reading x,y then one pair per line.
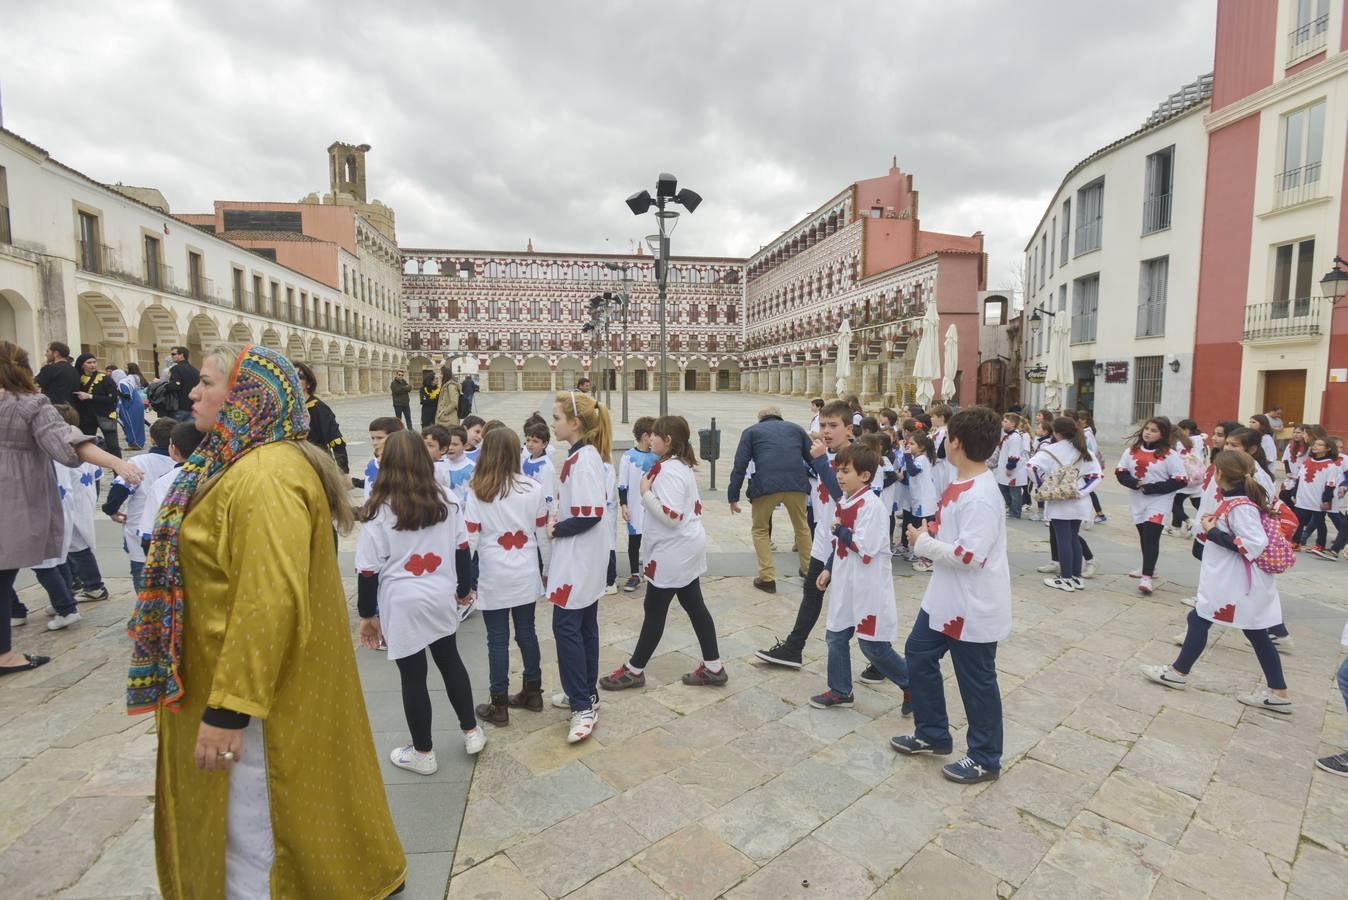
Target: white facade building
x,y
104,272
1117,252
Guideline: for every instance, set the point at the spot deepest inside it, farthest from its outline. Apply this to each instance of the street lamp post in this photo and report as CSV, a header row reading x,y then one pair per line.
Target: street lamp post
x,y
666,191
624,298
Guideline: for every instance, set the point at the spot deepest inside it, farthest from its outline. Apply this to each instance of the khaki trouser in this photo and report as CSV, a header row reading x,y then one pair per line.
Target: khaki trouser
x,y
794,501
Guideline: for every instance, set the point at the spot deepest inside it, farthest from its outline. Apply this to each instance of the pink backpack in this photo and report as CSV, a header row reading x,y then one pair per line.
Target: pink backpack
x,y
1277,556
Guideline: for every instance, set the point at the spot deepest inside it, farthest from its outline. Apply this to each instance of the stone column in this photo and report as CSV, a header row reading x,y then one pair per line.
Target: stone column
x,y
519,378
775,380
829,389
553,375
365,381
867,392
812,376
337,374
712,384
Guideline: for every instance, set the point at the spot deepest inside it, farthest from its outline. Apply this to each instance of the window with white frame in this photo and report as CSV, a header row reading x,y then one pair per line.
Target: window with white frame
x,y
1157,190
1066,230
1090,216
1085,304
1151,292
1311,31
1053,246
1062,298
1293,278
1043,258
1303,138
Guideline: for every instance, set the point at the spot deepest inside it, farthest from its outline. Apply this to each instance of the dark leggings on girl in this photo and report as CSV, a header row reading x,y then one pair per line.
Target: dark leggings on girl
x,y
634,554
1053,546
1311,519
1150,535
1065,534
657,608
1197,638
1095,502
1177,513
417,699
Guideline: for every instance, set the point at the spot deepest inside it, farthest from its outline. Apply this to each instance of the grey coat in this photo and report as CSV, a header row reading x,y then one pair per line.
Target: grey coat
x,y
32,435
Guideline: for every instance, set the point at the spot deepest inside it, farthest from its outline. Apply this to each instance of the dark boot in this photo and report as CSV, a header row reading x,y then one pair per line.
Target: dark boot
x,y
530,696
496,712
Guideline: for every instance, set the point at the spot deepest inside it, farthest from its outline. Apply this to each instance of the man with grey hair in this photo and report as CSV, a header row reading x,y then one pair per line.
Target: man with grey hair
x,y
775,453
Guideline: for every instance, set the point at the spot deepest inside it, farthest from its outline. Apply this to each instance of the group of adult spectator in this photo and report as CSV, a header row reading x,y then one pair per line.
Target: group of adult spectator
x,y
444,401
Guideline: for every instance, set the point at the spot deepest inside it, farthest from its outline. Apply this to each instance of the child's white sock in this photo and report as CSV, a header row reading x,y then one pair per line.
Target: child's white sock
x,y
713,665
634,670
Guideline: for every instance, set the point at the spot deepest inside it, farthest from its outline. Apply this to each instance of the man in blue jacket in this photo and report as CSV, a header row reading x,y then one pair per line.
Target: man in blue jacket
x,y
779,453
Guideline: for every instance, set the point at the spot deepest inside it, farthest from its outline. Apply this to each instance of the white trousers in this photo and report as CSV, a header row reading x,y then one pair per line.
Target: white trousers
x,y
249,847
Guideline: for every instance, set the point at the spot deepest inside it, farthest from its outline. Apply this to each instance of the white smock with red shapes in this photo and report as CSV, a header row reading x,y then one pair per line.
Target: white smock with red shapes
x,y
822,506
1232,590
576,575
417,579
861,588
969,596
674,545
1151,467
508,531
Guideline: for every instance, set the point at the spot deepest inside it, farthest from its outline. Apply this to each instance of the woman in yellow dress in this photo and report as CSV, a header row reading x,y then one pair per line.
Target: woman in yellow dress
x,y
267,782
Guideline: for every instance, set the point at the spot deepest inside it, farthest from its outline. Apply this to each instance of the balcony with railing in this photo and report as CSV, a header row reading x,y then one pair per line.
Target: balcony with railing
x,y
1287,321
1088,236
1307,39
1156,213
1296,186
5,236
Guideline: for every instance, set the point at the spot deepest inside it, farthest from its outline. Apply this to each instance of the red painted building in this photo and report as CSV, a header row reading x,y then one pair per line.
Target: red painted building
x,y
1274,216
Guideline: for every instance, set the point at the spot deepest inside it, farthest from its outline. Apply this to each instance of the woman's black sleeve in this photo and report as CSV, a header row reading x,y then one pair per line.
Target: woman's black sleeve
x,y
463,568
219,717
367,594
574,526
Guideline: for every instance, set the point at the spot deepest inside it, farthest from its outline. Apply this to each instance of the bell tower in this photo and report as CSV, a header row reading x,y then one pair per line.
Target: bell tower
x,y
346,169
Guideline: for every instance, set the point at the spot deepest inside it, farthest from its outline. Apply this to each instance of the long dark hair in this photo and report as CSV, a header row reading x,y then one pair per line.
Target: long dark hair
x,y
497,472
1065,428
1165,442
16,375
1265,426
925,444
1253,444
675,430
1239,468
407,484
308,380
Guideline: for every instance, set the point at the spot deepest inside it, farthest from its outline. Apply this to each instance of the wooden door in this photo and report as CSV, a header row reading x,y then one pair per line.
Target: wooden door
x,y
1285,388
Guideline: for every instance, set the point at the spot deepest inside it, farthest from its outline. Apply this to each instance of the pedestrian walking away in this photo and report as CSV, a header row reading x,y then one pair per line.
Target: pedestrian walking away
x,y
779,452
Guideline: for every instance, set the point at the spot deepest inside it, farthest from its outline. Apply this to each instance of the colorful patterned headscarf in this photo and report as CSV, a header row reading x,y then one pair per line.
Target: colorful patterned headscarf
x,y
265,404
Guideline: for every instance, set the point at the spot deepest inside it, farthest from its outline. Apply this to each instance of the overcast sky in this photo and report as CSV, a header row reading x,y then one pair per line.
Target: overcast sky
x,y
494,123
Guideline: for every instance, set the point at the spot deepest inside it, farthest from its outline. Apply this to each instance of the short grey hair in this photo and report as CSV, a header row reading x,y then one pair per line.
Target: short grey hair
x,y
769,411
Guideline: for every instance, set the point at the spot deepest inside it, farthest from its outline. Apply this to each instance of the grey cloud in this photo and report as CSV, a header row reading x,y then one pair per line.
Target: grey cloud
x,y
493,123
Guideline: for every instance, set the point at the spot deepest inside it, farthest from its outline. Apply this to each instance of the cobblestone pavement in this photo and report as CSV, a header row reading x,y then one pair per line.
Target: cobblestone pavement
x,y
1112,786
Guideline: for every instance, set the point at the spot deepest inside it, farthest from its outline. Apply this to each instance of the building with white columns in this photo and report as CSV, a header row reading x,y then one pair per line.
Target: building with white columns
x,y
110,270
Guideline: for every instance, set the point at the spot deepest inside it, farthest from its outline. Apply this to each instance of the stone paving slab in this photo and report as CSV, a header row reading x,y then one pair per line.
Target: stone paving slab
x,y
1111,786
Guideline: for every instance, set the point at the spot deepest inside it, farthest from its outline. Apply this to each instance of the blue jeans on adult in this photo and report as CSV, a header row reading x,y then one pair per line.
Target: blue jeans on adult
x,y
576,633
975,672
878,653
498,645
56,582
137,575
1011,496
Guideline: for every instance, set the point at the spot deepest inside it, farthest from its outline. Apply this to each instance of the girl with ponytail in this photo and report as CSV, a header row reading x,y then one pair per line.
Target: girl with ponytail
x,y
580,555
1232,591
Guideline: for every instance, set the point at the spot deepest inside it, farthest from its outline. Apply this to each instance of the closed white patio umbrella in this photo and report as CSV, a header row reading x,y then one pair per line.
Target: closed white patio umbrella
x,y
844,358
927,366
952,361
1058,378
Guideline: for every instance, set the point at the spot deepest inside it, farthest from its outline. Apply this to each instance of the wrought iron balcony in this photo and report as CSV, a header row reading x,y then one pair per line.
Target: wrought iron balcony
x,y
1296,186
1284,320
1307,39
1156,213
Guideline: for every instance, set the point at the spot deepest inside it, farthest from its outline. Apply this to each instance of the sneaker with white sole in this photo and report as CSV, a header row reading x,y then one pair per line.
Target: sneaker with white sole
x,y
59,622
582,725
1048,569
633,582
561,701
474,741
1263,698
1144,585
1061,584
17,621
610,589
1077,583
1334,765
408,758
966,771
1088,568
1166,676
93,596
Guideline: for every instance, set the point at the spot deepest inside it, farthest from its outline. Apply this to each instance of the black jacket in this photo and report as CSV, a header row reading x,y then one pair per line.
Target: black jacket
x,y
185,377
58,381
780,452
325,432
103,405
401,391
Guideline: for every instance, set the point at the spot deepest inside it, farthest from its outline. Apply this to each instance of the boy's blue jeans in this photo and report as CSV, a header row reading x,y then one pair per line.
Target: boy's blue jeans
x,y
975,671
137,575
84,567
878,653
56,582
1343,681
576,633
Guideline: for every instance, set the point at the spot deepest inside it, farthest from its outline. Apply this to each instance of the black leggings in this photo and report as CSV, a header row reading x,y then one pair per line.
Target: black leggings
x,y
634,553
1177,514
1311,519
657,608
1196,639
417,699
1150,535
1095,501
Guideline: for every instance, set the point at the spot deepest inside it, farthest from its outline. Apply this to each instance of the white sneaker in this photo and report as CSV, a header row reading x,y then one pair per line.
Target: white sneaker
x,y
1170,531
1166,676
1088,568
1062,584
1047,569
582,724
408,758
1077,584
611,588
17,621
1144,585
1283,644
466,609
59,622
561,701
474,741
1263,698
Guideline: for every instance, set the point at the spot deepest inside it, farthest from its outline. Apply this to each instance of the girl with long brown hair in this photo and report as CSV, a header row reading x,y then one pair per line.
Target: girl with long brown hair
x,y
1232,590
676,559
1150,469
507,516
406,590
